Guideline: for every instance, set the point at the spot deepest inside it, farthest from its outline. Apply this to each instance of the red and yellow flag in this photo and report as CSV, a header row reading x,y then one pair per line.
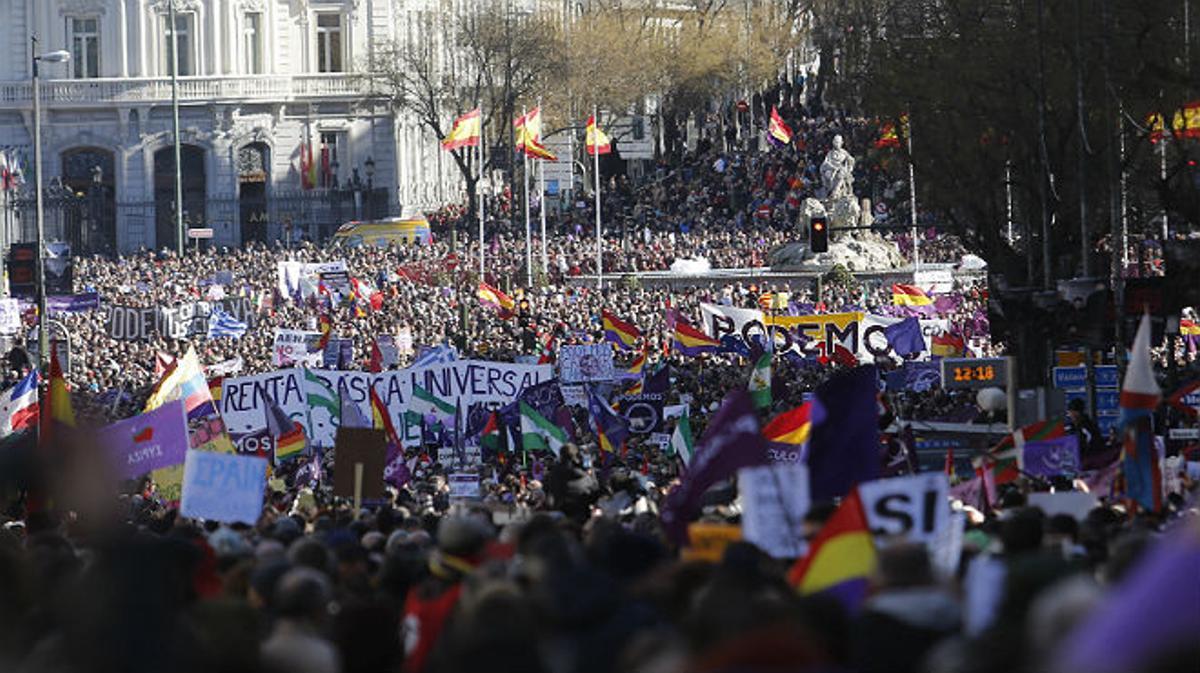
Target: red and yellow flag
x,y
57,412
465,132
909,295
597,141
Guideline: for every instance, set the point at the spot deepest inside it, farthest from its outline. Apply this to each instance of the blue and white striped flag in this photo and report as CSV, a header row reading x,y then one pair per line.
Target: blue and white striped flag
x,y
435,355
221,325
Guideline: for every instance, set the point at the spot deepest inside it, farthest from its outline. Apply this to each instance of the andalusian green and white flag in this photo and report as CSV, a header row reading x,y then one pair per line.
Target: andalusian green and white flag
x,y
539,432
319,395
424,403
760,382
681,440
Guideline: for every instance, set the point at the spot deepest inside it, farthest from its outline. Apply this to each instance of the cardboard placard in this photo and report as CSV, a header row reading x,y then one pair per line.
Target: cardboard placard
x,y
709,540
223,487
359,446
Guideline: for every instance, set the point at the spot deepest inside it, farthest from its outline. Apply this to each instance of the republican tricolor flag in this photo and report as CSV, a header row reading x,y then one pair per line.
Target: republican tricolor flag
x,y
620,333
778,131
840,559
691,342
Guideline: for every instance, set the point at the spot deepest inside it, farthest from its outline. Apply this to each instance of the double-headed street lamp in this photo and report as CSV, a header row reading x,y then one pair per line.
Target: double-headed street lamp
x,y
59,56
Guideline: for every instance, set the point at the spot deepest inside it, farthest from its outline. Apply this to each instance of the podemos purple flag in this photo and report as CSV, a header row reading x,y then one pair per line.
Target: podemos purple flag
x,y
153,440
731,441
1052,457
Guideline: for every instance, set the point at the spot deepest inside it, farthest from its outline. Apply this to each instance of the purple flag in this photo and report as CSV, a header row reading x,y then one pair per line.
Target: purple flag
x,y
1153,613
72,303
1052,457
731,441
844,450
153,440
395,470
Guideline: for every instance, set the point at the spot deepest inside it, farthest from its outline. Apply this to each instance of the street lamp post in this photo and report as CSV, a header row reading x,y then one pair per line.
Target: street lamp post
x,y
173,29
51,57
369,201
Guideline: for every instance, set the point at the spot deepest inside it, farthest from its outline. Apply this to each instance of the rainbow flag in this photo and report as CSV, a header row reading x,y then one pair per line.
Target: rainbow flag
x,y
620,333
290,444
841,558
691,342
465,132
909,295
795,426
778,131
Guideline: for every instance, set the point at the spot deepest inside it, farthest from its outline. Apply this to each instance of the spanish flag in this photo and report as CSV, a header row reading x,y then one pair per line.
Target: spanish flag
x,y
325,324
381,420
534,149
840,559
778,131
494,298
795,426
909,295
465,132
691,342
620,333
529,127
597,141
57,411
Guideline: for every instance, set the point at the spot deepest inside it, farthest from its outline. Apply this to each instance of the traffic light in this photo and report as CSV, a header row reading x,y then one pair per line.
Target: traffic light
x,y
818,234
22,269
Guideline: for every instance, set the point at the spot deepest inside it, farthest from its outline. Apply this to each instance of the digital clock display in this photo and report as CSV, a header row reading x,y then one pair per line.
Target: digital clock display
x,y
974,372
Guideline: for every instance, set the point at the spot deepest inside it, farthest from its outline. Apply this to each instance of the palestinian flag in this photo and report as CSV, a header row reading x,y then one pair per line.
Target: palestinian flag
x,y
492,438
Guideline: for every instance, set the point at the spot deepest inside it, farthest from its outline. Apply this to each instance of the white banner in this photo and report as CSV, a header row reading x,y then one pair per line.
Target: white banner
x,y
463,382
301,278
245,410
937,281
292,348
915,507
874,341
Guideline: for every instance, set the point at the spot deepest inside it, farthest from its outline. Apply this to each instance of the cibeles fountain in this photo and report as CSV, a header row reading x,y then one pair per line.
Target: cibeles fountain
x,y
856,249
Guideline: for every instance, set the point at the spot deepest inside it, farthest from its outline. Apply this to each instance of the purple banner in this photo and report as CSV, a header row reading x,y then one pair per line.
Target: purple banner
x,y
72,303
153,440
1052,457
731,441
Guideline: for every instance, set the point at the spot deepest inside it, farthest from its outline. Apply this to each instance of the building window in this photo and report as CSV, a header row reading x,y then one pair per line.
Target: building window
x,y
183,29
84,38
329,43
327,158
252,37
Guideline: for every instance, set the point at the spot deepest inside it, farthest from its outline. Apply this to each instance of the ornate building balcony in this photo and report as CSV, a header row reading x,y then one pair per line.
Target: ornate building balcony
x,y
82,93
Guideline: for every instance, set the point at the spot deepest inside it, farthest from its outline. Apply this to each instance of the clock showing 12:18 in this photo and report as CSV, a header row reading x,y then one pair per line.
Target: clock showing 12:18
x,y
980,373
974,372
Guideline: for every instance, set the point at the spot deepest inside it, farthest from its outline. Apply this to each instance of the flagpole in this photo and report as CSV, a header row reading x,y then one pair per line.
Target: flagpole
x,y
912,195
525,182
596,166
542,213
541,164
479,188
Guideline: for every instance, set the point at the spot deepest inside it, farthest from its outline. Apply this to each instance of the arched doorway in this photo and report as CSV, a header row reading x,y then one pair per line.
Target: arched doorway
x,y
194,192
253,171
89,177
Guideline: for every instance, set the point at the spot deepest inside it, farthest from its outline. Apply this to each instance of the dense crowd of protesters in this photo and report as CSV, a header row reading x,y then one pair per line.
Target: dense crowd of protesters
x,y
562,565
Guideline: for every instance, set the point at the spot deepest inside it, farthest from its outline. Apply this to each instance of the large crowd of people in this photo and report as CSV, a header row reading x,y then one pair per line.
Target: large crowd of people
x,y
561,563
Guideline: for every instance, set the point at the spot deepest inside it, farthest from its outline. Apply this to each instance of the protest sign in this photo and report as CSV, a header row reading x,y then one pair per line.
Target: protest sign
x,y
155,439
243,403
643,412
338,354
914,507
707,541
359,447
389,353
934,281
404,341
223,487
590,362
945,549
1052,457
774,501
293,347
464,485
300,279
10,316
